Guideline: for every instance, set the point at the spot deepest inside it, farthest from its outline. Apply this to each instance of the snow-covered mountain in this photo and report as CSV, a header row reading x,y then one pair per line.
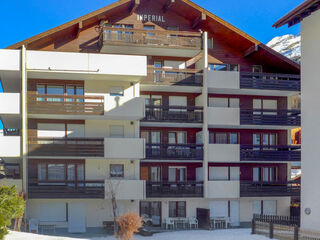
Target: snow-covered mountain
x,y
288,45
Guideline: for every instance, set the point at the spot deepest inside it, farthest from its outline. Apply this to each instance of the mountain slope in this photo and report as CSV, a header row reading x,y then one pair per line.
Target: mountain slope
x,y
289,45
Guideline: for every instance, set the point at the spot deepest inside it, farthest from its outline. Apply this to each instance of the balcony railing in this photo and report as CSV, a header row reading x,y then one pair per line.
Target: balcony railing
x,y
270,153
63,104
174,189
269,189
180,77
270,117
66,147
270,81
151,38
66,189
174,114
174,151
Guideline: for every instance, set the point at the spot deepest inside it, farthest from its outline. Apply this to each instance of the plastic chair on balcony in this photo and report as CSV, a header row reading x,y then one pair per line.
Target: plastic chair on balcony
x,y
169,222
193,221
34,225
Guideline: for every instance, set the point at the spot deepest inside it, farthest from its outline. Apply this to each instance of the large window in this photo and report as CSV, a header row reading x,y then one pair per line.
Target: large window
x,y
67,90
57,172
223,67
265,174
265,139
226,102
177,209
224,173
223,138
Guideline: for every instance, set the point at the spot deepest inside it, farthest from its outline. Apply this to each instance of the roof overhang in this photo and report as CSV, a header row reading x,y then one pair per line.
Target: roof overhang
x,y
298,14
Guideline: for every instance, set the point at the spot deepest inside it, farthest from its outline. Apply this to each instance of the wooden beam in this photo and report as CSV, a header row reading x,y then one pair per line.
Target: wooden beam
x,y
251,50
199,20
193,60
134,6
168,5
80,26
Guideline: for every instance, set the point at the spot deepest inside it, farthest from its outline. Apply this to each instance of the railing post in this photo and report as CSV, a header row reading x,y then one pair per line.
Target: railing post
x,y
271,230
253,226
296,233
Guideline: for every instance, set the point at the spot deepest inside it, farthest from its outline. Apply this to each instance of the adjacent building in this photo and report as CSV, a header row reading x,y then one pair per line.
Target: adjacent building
x,y
178,112
309,16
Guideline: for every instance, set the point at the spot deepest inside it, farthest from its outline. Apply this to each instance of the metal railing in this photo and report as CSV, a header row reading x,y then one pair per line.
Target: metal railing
x,y
174,189
270,153
189,114
174,151
270,117
270,81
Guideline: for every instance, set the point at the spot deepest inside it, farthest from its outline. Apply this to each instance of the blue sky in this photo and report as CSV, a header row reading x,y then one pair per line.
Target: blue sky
x,y
21,19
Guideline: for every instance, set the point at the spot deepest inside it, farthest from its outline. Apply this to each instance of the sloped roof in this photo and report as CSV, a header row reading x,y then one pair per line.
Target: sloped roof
x,y
299,13
119,3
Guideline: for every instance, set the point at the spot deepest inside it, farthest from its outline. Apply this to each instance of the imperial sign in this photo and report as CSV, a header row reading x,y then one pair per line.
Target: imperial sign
x,y
150,18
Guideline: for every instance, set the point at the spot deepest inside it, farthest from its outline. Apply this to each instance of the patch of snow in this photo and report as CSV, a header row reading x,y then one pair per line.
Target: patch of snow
x,y
229,234
289,45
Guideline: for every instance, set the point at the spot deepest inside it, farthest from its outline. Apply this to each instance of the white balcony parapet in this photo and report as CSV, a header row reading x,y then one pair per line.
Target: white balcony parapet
x,y
224,152
99,64
224,79
223,189
126,189
123,108
10,146
124,148
223,116
8,182
9,103
10,60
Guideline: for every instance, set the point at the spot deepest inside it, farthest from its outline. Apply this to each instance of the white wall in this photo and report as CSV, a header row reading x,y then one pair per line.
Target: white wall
x,y
96,63
126,189
101,128
223,116
10,146
310,120
9,103
223,189
224,79
224,152
124,148
10,60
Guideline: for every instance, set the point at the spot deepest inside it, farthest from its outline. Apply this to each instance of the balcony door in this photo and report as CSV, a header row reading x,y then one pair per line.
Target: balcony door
x,y
177,174
179,139
265,174
267,141
153,141
155,174
265,104
180,102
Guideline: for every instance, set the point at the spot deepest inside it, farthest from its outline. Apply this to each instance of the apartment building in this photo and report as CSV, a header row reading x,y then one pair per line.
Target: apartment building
x,y
308,15
178,112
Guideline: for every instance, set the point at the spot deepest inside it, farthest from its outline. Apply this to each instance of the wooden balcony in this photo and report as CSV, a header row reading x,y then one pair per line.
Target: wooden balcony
x,y
140,41
66,189
65,105
66,147
174,189
185,152
269,189
188,114
270,153
270,81
270,117
173,77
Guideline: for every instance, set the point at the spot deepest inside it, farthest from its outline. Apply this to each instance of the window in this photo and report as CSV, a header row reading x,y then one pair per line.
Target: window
x,y
177,209
257,68
177,137
155,174
60,172
68,89
265,207
116,131
224,102
177,174
116,170
149,27
223,67
153,100
265,174
224,173
223,138
116,92
265,139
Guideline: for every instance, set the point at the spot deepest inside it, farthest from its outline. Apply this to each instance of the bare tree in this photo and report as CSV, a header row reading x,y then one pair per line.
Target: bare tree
x,y
112,187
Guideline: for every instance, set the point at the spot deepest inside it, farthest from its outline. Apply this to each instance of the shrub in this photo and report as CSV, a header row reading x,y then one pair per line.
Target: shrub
x,y
11,206
129,224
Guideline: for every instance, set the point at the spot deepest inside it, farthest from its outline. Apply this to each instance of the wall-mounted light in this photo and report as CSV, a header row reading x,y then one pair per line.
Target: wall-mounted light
x,y
132,161
131,122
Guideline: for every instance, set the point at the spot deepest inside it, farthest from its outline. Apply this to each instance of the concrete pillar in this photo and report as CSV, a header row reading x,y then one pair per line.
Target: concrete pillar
x,y
205,133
